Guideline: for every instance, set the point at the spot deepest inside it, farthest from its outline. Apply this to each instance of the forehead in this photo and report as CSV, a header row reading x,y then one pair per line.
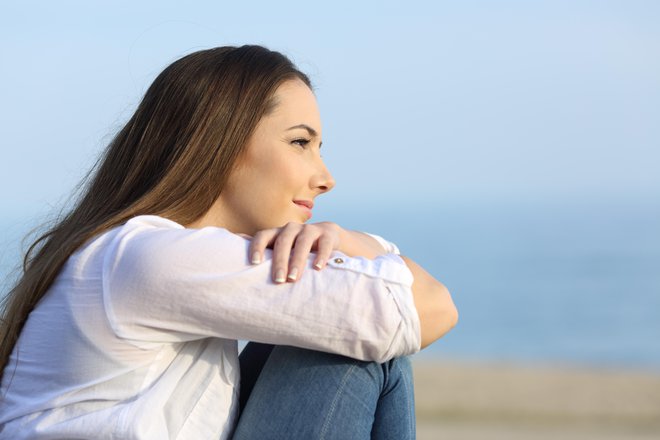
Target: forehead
x,y
295,104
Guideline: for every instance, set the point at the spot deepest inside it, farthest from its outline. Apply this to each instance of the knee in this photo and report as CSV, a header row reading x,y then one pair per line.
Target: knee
x,y
392,373
292,359
402,364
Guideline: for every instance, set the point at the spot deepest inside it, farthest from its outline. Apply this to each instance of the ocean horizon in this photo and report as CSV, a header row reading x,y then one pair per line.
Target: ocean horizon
x,y
534,282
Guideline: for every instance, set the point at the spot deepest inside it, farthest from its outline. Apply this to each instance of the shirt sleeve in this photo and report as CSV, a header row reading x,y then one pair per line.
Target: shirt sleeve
x,y
165,284
389,247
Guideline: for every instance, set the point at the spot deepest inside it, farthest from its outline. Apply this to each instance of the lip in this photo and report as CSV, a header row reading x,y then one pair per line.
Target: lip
x,y
306,205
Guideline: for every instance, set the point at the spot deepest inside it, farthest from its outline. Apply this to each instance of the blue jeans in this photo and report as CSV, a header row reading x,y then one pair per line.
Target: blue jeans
x,y
292,393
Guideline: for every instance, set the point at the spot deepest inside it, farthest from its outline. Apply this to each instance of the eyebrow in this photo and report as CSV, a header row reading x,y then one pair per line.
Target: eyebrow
x,y
309,129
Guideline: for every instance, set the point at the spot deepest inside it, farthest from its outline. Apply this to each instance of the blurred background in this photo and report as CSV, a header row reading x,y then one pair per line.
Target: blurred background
x,y
512,148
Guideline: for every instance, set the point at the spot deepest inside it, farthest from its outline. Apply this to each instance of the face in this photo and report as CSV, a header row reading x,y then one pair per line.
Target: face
x,y
281,173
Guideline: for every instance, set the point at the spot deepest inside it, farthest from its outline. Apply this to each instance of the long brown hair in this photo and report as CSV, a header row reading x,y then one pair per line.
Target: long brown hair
x,y
172,159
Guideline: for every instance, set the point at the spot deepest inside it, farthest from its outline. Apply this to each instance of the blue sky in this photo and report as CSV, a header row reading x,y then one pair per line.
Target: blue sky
x,y
467,111
421,101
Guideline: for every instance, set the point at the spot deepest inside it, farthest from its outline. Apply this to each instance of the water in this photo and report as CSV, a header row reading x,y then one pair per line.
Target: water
x,y
560,282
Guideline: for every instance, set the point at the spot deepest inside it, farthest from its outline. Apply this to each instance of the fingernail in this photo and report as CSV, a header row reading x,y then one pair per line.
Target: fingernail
x,y
293,274
318,265
256,258
279,276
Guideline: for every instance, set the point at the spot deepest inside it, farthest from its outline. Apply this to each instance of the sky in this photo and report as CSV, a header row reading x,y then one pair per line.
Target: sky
x,y
422,102
512,147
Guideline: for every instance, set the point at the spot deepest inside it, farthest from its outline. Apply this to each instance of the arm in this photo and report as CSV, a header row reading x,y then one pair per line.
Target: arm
x,y
437,313
436,310
169,284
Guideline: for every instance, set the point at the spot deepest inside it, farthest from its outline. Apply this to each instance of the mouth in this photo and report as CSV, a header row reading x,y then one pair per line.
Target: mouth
x,y
306,203
306,206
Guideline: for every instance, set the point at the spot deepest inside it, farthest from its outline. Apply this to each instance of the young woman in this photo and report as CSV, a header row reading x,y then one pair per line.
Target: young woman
x,y
192,234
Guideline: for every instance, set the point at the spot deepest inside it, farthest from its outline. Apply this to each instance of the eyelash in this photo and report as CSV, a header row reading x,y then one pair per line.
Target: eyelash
x,y
302,142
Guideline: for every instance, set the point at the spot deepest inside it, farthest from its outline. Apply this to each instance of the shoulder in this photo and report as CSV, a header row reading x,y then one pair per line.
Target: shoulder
x,y
148,243
151,230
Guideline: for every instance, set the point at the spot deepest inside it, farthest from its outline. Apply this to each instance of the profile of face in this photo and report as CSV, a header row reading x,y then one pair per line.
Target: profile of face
x,y
281,171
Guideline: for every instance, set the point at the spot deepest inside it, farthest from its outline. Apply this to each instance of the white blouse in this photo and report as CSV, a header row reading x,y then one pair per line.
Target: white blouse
x,y
137,337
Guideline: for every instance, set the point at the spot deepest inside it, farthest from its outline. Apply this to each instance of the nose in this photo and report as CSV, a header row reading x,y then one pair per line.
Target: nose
x,y
323,180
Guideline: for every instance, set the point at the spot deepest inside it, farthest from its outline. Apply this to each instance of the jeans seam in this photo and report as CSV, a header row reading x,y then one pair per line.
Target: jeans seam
x,y
411,414
333,405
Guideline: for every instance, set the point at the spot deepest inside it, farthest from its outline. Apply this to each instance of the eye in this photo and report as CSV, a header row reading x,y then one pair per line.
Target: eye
x,y
301,142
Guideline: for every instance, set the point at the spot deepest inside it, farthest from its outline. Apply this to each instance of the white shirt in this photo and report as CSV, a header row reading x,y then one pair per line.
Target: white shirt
x,y
137,336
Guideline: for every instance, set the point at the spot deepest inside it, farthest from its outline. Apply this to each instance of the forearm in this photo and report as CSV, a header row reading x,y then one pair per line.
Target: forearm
x,y
359,244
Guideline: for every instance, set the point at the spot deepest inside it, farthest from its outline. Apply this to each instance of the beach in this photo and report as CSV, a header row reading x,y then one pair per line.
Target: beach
x,y
470,400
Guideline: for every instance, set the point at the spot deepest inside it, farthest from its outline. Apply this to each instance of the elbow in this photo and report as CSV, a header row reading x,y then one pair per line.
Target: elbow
x,y
438,320
451,314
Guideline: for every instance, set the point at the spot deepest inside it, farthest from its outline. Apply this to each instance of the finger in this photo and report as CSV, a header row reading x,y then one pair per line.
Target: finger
x,y
259,243
282,250
324,248
301,250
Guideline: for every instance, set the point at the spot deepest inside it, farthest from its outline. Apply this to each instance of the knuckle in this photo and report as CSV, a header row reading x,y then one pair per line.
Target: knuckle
x,y
306,237
262,235
292,225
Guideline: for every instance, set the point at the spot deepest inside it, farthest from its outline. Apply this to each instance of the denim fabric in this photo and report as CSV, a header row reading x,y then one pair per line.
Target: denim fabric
x,y
308,395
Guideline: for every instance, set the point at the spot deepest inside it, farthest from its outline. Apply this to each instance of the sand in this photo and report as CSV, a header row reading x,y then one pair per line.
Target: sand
x,y
460,401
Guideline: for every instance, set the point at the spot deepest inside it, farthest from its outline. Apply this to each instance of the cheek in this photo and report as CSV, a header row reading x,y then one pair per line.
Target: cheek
x,y
282,175
273,178
265,189
292,172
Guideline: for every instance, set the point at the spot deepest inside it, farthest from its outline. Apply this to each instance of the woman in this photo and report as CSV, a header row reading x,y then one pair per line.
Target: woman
x,y
190,236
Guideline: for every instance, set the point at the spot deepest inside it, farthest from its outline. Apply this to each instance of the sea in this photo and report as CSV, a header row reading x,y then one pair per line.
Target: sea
x,y
572,281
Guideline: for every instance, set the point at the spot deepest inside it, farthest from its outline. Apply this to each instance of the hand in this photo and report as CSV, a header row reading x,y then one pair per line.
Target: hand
x,y
291,246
